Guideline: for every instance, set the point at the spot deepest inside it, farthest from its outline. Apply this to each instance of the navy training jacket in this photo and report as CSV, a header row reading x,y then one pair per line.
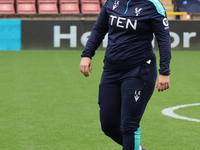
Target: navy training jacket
x,y
130,25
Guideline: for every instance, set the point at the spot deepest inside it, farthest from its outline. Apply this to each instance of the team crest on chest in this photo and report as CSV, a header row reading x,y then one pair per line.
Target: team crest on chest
x,y
137,11
116,4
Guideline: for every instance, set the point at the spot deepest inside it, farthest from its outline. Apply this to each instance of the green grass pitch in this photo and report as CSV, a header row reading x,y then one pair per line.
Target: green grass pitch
x,y
47,104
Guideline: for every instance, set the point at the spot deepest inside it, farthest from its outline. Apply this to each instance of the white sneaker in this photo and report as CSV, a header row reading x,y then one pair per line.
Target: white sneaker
x,y
144,148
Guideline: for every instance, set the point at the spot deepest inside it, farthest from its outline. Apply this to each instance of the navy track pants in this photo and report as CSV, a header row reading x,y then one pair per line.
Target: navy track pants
x,y
123,96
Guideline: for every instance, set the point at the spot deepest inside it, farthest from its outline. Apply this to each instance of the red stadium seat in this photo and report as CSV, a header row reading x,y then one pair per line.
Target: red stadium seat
x,y
26,7
7,1
89,1
69,8
7,7
90,7
48,1
63,1
47,6
26,1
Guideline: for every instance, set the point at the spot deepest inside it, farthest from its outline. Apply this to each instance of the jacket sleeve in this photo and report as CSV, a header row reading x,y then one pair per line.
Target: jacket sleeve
x,y
97,35
161,30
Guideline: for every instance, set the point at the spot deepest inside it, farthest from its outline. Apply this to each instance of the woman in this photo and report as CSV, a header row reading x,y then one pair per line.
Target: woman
x,y
130,71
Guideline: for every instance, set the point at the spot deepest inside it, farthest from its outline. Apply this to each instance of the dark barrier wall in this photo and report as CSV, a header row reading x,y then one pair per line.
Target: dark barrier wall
x,y
54,35
73,35
185,35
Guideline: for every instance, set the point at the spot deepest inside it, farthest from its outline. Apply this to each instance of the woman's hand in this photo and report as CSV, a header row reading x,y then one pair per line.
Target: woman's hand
x,y
86,66
162,82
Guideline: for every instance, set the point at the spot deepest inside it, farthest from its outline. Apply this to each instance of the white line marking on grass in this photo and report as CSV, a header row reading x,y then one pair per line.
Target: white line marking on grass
x,y
170,112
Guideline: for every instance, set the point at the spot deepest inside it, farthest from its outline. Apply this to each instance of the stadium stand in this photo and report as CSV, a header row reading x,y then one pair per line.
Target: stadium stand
x,y
171,10
7,7
169,7
85,9
26,6
69,6
189,6
47,6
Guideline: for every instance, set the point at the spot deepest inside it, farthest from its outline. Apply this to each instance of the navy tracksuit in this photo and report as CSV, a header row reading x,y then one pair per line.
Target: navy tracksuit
x,y
130,72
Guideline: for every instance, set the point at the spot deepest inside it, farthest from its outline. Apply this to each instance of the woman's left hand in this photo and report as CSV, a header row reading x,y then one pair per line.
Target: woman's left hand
x,y
162,82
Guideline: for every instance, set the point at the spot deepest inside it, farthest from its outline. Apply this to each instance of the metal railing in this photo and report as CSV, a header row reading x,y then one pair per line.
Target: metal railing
x,y
178,13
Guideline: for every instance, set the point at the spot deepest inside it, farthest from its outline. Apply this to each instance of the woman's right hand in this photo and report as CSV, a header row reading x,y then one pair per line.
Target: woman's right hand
x,y
86,66
162,82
